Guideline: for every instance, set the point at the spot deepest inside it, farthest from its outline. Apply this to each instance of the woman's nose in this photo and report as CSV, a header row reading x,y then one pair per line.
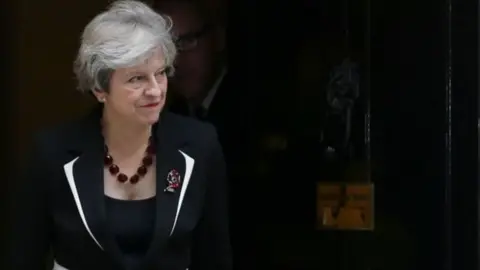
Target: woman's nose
x,y
154,88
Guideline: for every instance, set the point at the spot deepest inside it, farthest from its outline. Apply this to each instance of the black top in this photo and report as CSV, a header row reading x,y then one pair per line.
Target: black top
x,y
132,224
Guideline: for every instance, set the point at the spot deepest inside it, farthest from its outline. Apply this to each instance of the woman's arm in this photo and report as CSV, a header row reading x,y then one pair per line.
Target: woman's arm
x,y
212,250
28,233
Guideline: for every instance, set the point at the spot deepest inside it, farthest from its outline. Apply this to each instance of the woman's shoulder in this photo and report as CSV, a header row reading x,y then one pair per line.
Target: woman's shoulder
x,y
191,128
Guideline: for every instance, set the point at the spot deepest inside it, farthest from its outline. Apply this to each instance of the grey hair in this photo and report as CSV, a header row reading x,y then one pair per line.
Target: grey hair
x,y
124,35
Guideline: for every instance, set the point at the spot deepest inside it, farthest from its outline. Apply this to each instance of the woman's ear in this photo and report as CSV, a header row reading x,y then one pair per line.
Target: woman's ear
x,y
99,95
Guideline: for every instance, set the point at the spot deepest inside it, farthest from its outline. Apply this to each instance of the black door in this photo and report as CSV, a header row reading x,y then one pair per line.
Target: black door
x,y
377,94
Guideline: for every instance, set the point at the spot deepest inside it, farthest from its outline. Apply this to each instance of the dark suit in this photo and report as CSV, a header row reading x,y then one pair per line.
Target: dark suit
x,y
61,203
229,112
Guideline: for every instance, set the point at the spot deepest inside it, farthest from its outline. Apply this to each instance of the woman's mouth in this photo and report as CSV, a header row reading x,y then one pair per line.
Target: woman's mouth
x,y
151,105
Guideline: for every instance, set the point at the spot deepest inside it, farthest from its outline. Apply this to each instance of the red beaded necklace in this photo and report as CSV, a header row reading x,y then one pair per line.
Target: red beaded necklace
x,y
147,161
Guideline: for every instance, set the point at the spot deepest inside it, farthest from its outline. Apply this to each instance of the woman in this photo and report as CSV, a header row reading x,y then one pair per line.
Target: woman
x,y
130,186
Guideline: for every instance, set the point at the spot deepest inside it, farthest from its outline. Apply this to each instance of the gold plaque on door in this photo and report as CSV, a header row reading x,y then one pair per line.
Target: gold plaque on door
x,y
345,206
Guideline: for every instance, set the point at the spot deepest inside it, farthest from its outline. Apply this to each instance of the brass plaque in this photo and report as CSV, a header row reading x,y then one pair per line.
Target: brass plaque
x,y
345,206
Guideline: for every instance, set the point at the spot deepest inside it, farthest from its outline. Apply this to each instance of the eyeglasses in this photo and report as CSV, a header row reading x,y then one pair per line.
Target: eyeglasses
x,y
189,41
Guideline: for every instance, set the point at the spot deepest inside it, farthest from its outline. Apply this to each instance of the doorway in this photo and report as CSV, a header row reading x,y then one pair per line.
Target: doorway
x,y
404,136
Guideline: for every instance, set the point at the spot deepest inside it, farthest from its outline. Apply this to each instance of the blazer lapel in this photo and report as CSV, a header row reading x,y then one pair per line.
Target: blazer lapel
x,y
84,174
86,184
169,158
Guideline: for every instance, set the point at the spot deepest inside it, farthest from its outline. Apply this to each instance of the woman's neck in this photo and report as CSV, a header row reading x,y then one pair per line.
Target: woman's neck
x,y
123,137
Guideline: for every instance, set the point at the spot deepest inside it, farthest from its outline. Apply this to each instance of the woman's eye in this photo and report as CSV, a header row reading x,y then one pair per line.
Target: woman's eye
x,y
135,79
162,73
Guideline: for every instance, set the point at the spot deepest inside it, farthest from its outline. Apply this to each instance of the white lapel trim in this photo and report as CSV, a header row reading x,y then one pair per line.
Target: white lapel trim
x,y
189,163
68,167
57,266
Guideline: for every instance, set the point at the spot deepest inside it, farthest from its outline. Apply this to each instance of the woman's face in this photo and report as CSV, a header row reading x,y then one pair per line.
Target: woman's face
x,y
137,94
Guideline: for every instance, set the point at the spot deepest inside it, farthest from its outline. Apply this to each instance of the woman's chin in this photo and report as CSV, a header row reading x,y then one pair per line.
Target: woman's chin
x,y
150,120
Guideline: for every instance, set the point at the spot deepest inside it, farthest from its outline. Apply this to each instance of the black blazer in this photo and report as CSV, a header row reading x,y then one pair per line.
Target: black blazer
x,y
60,205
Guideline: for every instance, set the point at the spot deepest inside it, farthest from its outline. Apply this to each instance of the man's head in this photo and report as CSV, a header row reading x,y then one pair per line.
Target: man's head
x,y
200,39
